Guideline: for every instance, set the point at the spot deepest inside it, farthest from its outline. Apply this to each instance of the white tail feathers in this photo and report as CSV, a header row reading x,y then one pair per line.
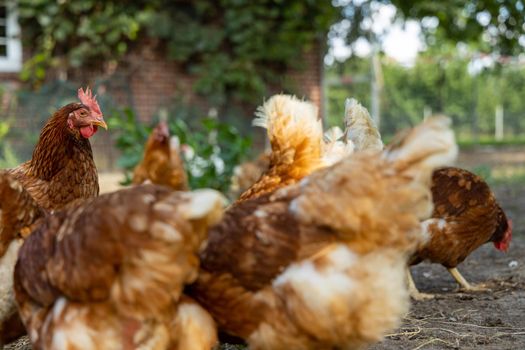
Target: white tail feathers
x,y
289,121
175,152
333,134
174,144
430,144
203,203
360,127
374,187
336,147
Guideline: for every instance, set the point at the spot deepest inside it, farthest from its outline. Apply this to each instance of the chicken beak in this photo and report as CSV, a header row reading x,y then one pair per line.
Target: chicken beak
x,y
100,122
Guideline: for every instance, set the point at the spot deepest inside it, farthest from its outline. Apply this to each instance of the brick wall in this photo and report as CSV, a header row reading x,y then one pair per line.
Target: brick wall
x,y
150,81
306,80
155,81
146,81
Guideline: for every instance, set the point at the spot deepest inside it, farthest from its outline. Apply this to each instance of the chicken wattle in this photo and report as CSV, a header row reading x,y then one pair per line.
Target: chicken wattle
x,y
88,131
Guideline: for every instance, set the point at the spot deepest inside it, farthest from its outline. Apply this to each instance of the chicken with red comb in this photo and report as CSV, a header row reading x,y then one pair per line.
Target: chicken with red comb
x,y
466,215
96,117
60,173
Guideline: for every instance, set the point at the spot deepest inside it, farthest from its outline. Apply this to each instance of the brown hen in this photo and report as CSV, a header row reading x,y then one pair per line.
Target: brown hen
x,y
109,274
18,216
320,265
466,215
62,169
61,172
162,164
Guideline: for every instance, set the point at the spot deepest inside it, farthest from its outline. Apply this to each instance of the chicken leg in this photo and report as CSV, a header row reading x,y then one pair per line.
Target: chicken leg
x,y
464,283
413,291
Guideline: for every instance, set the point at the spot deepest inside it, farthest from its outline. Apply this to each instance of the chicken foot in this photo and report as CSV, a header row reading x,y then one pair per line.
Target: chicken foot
x,y
413,291
465,286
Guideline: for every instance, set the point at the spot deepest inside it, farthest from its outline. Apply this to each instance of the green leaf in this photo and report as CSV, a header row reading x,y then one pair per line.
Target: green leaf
x,y
233,47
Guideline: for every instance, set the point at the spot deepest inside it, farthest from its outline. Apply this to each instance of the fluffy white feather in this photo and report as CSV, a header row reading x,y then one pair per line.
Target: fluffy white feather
x,y
432,144
284,116
361,128
336,147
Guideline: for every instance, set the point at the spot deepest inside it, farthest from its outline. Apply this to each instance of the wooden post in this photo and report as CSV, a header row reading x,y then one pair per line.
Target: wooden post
x,y
376,84
427,112
498,123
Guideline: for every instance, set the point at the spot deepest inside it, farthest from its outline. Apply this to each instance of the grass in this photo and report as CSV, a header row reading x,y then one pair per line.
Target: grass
x,y
467,143
8,158
508,174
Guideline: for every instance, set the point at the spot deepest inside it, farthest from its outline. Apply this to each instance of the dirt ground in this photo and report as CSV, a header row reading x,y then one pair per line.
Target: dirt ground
x,y
483,320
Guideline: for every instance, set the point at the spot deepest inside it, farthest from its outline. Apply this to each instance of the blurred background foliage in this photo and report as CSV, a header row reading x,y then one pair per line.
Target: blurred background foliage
x,y
491,25
495,26
438,82
210,149
237,49
234,47
8,158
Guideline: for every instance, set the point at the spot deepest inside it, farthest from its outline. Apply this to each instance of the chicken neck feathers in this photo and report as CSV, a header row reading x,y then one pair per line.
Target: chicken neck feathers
x,y
62,168
125,255
296,139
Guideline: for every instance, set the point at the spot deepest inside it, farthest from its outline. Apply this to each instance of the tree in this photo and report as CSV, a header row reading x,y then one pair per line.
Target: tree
x,y
492,25
235,48
441,81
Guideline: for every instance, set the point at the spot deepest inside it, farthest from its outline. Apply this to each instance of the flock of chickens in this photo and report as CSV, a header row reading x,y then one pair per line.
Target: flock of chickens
x,y
313,254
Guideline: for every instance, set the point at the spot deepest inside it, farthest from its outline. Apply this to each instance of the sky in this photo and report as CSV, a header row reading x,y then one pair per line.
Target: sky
x,y
401,42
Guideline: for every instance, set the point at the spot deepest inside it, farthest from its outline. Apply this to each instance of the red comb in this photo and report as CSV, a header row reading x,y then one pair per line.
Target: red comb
x,y
90,101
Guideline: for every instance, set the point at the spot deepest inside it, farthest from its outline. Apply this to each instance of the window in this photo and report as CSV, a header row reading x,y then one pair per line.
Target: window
x,y
10,46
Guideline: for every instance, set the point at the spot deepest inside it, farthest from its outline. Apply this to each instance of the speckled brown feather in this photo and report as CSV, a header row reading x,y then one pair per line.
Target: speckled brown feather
x,y
131,250
259,238
254,243
247,173
277,176
18,216
18,211
62,167
248,266
470,214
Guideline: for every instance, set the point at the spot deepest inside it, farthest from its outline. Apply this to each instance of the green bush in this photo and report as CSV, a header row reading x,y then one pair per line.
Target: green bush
x,y
213,147
8,158
233,48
